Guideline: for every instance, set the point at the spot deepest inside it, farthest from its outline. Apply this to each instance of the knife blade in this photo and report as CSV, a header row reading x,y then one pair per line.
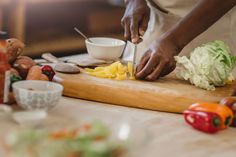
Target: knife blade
x,y
134,59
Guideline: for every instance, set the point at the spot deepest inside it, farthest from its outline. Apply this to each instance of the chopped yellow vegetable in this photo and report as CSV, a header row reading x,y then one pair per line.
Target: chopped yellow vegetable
x,y
89,70
130,69
132,78
115,71
121,69
98,69
121,77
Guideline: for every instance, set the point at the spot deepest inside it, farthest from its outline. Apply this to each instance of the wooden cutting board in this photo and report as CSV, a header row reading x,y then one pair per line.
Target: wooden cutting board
x,y
168,94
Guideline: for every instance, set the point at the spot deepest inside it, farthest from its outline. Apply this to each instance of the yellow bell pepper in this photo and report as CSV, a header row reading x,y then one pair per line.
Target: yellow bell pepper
x,y
115,71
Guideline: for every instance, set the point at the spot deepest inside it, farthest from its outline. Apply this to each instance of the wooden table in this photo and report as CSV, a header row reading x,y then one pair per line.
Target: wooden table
x,y
170,136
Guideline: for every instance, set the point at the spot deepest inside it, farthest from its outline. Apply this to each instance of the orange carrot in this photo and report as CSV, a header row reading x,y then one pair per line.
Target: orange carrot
x,y
35,73
44,78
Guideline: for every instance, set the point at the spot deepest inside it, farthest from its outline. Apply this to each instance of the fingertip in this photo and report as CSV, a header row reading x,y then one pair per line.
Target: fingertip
x,y
150,78
140,40
135,40
141,74
126,36
141,32
137,75
138,69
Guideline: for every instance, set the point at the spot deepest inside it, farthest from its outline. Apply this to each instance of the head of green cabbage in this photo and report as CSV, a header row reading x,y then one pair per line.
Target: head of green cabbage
x,y
208,66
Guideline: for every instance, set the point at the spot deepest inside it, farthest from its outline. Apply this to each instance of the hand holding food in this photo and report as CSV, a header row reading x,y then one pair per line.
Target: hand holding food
x,y
158,61
135,19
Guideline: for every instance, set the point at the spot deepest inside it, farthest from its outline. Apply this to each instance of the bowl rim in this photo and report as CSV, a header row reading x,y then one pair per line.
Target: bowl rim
x,y
104,45
59,86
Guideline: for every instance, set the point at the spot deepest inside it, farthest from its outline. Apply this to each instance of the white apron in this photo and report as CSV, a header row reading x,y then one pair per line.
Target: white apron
x,y
224,29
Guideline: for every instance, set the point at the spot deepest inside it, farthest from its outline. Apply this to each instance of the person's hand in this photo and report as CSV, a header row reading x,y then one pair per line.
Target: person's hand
x,y
135,19
158,61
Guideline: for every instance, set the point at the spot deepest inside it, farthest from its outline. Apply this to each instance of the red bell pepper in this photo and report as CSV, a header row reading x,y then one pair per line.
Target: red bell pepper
x,y
48,71
223,111
208,122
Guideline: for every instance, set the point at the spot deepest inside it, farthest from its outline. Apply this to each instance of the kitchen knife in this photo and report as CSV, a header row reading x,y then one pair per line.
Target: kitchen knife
x,y
134,59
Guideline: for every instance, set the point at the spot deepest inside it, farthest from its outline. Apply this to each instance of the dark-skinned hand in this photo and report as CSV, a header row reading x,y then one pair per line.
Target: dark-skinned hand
x,y
135,19
158,61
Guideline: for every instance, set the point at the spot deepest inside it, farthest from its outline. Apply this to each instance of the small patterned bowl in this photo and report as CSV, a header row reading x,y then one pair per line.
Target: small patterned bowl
x,y
33,95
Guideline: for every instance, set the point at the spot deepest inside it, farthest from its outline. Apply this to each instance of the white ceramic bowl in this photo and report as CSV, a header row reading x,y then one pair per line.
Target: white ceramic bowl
x,y
32,95
105,48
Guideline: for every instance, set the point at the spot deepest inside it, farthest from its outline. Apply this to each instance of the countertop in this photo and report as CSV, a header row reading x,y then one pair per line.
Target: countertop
x,y
171,136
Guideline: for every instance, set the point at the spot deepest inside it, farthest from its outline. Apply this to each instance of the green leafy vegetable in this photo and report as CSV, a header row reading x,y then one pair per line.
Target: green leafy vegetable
x,y
89,140
14,78
208,66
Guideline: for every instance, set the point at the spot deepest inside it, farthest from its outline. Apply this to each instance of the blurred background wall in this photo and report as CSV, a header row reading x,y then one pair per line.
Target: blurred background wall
x,y
47,25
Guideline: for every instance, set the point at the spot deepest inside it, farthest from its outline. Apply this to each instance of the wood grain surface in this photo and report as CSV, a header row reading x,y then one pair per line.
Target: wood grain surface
x,y
167,94
168,134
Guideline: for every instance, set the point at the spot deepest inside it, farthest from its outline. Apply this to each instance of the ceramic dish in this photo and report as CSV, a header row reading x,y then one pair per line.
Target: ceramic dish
x,y
32,95
109,49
